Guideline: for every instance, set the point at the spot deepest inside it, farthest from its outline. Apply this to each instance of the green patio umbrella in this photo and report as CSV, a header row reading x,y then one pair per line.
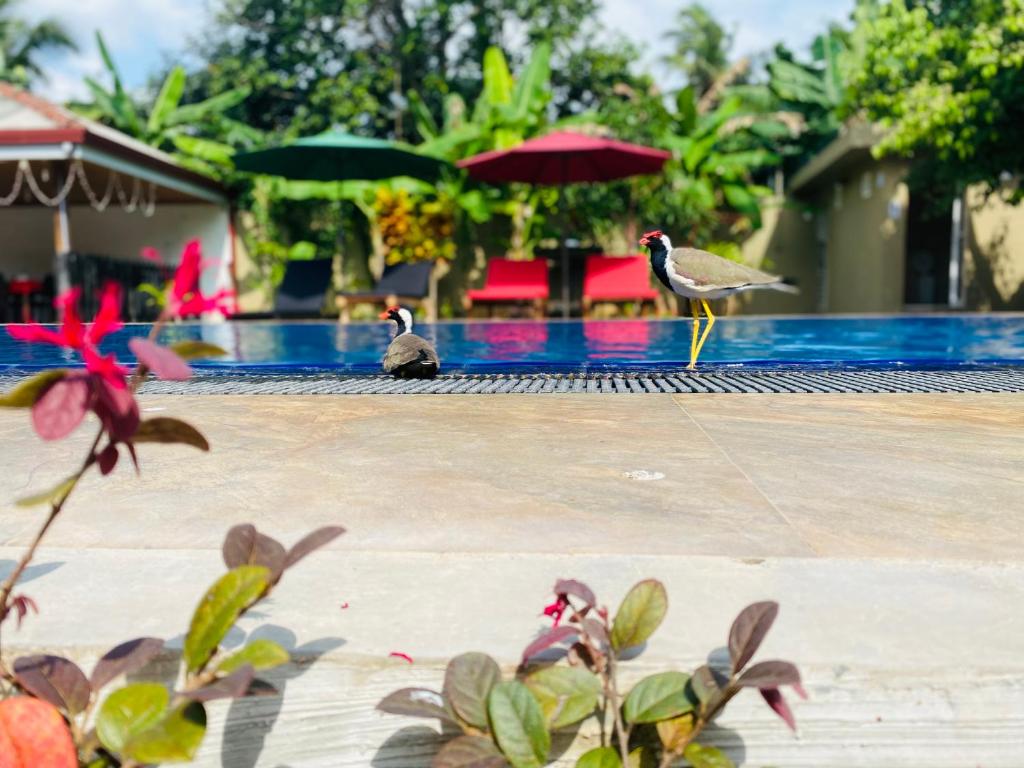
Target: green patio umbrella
x,y
337,156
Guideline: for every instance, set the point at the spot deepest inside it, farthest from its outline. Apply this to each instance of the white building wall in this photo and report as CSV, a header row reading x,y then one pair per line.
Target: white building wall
x,y
26,236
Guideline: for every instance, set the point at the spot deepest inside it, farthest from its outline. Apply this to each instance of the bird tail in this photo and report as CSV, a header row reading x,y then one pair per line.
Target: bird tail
x,y
786,285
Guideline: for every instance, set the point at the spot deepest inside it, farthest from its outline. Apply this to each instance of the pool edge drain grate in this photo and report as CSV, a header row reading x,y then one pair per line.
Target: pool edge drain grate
x,y
796,381
658,382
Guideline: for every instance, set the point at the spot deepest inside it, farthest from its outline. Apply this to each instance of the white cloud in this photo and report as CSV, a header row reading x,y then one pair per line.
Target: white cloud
x,y
141,33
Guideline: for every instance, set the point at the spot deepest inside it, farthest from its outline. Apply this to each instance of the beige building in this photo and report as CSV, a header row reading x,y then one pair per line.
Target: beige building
x,y
855,240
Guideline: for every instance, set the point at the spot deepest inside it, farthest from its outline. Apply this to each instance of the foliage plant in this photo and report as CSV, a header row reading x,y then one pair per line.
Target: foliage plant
x,y
656,722
168,124
414,229
945,82
51,713
22,43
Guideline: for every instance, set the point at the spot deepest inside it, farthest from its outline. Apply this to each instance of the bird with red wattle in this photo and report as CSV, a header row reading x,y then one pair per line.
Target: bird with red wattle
x,y
700,276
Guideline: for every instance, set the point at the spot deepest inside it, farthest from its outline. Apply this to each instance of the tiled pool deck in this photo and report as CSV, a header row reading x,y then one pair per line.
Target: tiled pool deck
x,y
890,527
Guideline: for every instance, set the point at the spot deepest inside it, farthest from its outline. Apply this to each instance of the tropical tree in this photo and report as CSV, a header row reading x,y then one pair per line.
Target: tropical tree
x,y
700,47
814,89
946,83
167,123
21,43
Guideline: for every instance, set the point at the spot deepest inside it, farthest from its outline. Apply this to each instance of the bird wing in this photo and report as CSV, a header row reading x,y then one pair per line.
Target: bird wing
x,y
706,270
409,348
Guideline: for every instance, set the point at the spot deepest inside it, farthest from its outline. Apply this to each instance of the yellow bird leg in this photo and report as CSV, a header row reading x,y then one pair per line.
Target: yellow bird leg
x,y
695,309
707,329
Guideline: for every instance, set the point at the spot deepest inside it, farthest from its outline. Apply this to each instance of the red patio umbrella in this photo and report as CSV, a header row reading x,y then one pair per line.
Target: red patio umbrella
x,y
562,158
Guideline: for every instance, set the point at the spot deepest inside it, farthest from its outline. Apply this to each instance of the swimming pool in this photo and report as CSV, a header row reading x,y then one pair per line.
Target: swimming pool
x,y
926,342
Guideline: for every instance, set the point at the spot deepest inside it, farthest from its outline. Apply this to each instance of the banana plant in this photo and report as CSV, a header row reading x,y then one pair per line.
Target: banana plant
x,y
713,162
169,124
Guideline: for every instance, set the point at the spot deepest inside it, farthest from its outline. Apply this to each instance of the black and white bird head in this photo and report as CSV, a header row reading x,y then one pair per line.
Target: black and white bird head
x,y
656,240
401,316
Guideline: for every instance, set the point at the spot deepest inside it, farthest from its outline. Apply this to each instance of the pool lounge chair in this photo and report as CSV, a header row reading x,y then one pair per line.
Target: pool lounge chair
x,y
405,284
301,293
510,282
618,279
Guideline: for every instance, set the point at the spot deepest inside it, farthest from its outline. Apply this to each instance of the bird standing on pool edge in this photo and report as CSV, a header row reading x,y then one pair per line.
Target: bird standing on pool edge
x,y
699,276
409,356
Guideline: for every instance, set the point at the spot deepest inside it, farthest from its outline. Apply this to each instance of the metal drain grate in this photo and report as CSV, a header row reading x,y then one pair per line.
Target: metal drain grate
x,y
1006,380
776,381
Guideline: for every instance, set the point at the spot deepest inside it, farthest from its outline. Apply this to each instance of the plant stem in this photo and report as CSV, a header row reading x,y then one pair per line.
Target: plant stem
x,y
9,583
621,731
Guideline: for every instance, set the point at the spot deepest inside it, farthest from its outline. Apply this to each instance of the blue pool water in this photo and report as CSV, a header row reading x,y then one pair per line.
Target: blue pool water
x,y
521,346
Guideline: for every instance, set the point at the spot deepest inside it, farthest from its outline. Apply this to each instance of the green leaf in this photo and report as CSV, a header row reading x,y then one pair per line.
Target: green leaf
x,y
686,110
518,725
220,607
657,697
167,100
129,711
49,496
211,151
261,654
566,694
600,757
705,756
497,78
166,429
530,93
174,739
194,350
27,391
641,612
418,702
189,114
675,731
468,681
425,123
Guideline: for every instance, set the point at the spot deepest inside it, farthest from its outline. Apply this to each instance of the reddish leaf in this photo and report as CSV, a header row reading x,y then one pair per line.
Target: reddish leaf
x,y
124,659
107,459
21,604
164,429
311,542
774,698
770,674
61,407
233,686
54,679
748,631
596,630
244,545
164,363
34,735
260,687
416,702
117,409
469,752
403,656
576,589
468,681
556,635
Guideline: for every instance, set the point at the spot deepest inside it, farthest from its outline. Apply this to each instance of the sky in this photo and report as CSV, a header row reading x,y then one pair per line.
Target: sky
x,y
142,34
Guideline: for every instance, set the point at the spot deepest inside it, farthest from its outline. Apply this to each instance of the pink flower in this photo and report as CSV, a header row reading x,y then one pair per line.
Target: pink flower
x,y
186,298
102,388
557,608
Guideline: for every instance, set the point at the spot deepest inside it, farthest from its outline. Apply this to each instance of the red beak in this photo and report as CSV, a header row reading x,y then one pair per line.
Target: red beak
x,y
644,241
386,314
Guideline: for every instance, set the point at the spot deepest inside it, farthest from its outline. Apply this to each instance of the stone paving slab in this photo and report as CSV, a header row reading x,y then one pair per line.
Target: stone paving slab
x,y
889,527
907,663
